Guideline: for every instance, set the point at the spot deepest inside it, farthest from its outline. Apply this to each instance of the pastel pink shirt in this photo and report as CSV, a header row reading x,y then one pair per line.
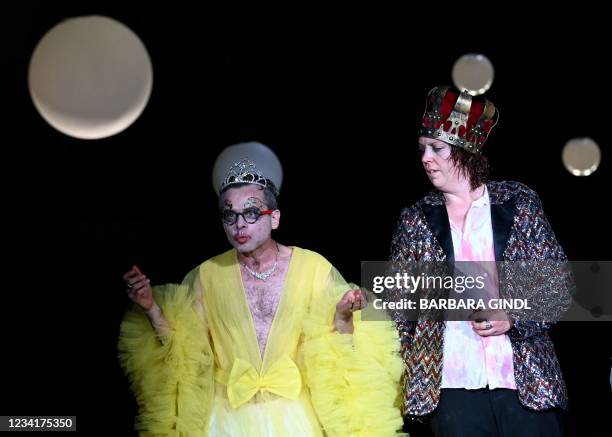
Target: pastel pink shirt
x,y
469,360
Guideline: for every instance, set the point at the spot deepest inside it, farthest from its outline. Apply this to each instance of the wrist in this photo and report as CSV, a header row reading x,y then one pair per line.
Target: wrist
x,y
343,325
154,312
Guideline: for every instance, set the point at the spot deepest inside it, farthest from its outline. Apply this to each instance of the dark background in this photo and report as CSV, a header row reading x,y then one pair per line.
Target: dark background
x,y
337,95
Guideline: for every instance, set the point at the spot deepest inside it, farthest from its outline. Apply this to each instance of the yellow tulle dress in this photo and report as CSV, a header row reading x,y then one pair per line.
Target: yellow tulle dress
x,y
206,376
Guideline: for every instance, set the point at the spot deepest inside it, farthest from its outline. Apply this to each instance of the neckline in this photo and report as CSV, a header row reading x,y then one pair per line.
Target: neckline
x,y
281,301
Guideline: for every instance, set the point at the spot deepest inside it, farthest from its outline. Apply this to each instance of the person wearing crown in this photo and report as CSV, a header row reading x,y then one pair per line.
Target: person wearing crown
x,y
262,340
494,374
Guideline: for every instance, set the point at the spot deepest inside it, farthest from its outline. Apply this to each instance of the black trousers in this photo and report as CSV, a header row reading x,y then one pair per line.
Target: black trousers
x,y
484,412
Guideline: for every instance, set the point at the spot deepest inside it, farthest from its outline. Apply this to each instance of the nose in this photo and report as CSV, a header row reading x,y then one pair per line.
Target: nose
x,y
426,155
240,222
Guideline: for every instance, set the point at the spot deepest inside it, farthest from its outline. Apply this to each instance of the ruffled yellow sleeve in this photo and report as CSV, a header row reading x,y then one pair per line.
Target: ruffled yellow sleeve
x,y
354,380
171,377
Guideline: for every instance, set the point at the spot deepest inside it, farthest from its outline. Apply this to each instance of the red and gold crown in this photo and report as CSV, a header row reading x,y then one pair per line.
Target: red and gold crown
x,y
458,118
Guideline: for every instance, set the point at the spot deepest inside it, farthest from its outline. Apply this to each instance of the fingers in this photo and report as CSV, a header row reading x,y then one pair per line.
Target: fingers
x,y
356,300
347,298
353,300
345,303
132,273
138,287
140,283
361,300
484,325
482,331
487,328
132,281
141,289
134,278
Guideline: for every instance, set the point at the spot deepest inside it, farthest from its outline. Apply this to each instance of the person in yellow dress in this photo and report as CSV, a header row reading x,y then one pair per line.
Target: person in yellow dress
x,y
262,340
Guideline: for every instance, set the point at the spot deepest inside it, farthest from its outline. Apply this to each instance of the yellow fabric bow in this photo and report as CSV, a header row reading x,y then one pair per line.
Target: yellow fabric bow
x,y
282,378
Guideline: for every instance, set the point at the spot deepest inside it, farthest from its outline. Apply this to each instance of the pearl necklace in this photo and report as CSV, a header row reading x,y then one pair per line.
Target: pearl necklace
x,y
263,275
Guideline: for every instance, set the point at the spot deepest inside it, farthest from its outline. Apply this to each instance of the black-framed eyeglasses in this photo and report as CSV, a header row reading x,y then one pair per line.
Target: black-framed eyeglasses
x,y
249,215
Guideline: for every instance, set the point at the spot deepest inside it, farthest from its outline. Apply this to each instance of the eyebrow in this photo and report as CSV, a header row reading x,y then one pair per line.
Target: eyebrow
x,y
244,209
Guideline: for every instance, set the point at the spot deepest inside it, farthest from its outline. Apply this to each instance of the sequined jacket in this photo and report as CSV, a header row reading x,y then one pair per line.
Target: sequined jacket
x,y
520,232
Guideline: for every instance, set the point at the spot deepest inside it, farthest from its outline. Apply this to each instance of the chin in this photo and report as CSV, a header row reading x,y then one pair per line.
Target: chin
x,y
250,246
242,248
238,247
436,184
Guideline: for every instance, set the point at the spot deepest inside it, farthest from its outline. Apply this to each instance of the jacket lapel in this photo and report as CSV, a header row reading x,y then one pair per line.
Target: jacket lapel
x,y
502,219
437,218
503,210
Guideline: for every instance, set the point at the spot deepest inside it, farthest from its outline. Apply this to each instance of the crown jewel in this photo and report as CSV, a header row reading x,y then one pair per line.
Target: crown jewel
x,y
244,172
458,119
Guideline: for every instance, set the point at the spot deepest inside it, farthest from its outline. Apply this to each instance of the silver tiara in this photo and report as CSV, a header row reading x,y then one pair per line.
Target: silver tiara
x,y
244,172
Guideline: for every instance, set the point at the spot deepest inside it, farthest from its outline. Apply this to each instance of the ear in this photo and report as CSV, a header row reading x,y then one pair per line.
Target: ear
x,y
275,218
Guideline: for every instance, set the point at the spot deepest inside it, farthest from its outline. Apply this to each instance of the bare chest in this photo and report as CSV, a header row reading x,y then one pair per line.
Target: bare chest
x,y
263,296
